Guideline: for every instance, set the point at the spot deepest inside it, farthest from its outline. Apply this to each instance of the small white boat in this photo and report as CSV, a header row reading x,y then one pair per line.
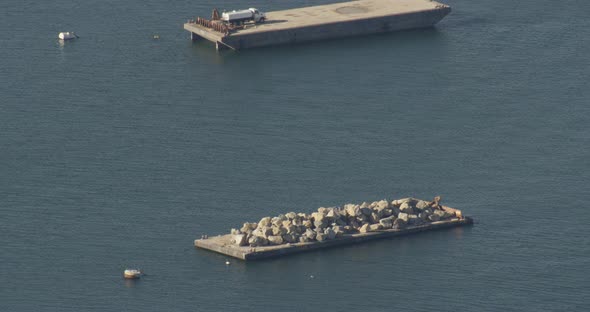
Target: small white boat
x,y
132,274
67,35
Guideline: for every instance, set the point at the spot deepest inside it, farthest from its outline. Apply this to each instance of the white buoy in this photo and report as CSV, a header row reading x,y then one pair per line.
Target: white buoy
x,y
132,274
227,262
68,35
311,276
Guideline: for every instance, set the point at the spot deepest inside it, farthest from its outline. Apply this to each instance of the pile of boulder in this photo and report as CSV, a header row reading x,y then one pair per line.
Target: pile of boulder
x,y
334,222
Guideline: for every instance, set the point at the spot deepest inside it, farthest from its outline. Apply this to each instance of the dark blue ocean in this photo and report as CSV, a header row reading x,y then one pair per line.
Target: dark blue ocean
x,y
118,150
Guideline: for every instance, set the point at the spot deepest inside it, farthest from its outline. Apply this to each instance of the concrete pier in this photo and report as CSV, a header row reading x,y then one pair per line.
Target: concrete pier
x,y
322,22
222,244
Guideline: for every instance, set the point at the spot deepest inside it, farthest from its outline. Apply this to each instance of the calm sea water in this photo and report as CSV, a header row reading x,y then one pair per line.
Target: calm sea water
x,y
117,150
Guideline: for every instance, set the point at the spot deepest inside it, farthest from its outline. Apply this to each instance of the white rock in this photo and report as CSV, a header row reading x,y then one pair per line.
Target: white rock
x,y
239,239
398,202
264,222
375,227
256,241
323,210
276,221
364,228
248,227
332,213
383,204
338,230
259,233
406,207
403,216
352,210
275,240
286,223
422,205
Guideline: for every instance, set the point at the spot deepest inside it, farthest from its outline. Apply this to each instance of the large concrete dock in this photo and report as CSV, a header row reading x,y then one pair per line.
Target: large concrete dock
x,y
323,22
222,244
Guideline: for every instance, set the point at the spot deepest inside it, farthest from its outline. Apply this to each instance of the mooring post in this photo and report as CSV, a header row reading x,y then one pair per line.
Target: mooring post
x,y
219,46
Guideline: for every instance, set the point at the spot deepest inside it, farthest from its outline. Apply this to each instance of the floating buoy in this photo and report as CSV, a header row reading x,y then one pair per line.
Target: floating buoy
x,y
156,36
311,276
227,262
132,274
67,35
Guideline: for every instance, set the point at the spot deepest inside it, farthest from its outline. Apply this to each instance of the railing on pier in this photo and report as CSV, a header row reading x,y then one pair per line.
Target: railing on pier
x,y
214,25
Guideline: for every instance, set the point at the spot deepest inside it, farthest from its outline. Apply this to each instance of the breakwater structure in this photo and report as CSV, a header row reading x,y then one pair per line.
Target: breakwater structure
x,y
354,18
333,226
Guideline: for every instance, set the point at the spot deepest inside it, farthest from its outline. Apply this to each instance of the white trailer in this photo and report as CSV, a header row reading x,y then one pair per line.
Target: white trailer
x,y
239,17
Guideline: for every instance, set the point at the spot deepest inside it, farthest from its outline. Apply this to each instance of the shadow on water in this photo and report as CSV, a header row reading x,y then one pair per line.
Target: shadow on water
x,y
132,283
466,21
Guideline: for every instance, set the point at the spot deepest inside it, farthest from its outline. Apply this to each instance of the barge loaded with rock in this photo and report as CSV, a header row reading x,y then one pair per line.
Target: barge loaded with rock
x,y
333,226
